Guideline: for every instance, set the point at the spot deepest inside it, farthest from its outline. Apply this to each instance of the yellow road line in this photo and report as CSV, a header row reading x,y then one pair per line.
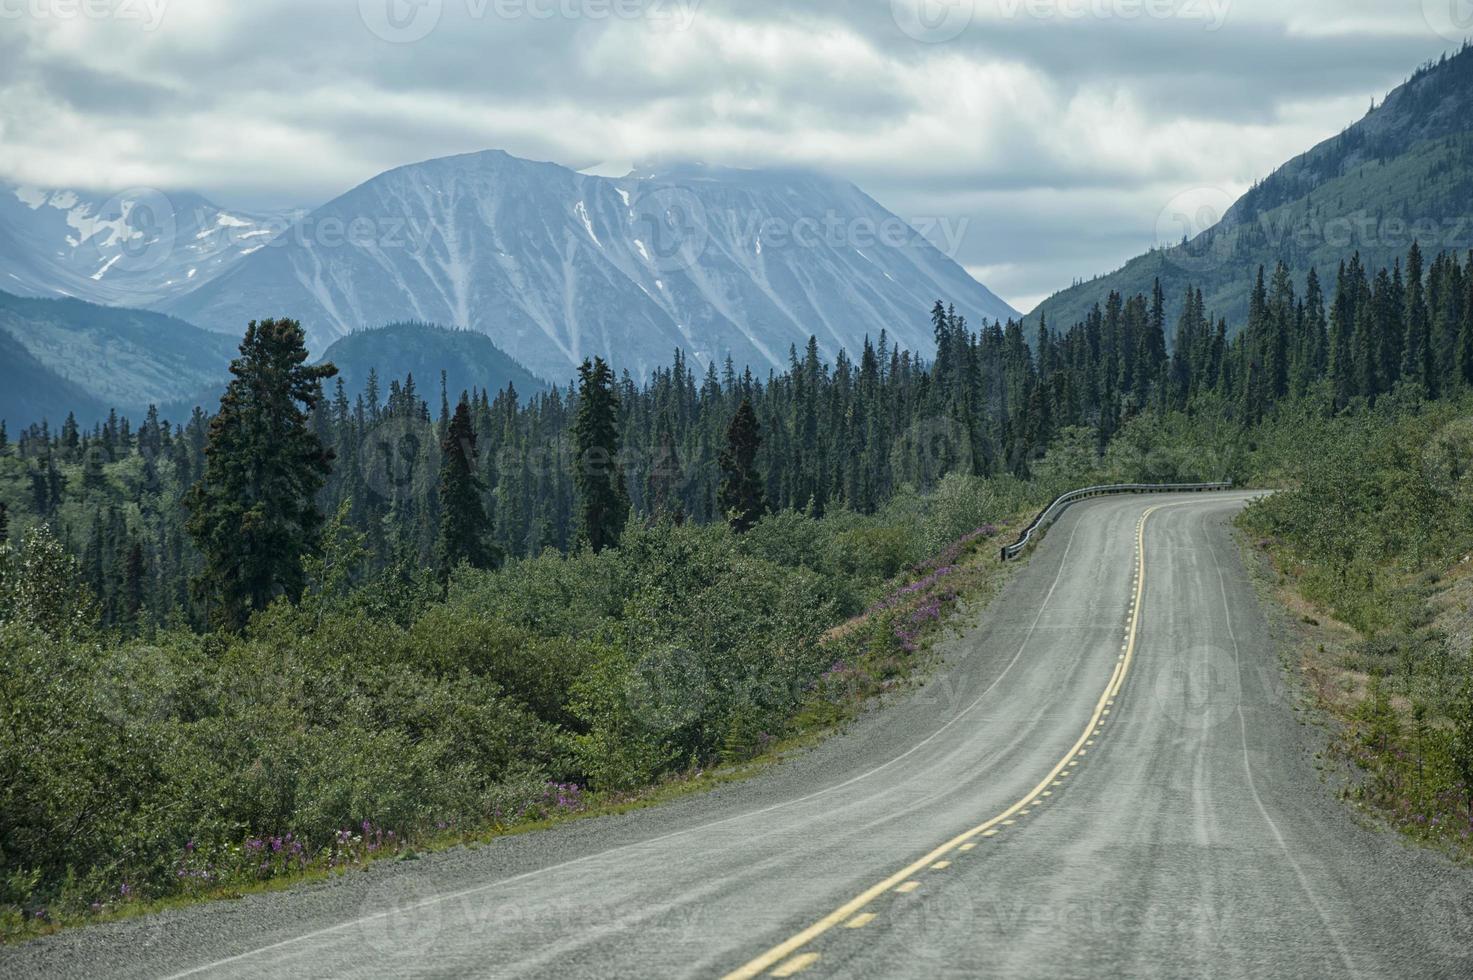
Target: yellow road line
x,y
798,963
860,921
900,880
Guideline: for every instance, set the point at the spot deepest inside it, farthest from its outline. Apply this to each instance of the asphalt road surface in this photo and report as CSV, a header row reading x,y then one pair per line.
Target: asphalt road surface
x,y
1108,777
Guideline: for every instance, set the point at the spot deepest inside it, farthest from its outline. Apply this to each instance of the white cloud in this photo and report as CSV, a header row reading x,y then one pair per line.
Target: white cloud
x,y
1058,140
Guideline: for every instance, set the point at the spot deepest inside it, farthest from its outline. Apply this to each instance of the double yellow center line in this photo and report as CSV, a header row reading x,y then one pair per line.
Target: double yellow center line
x,y
855,906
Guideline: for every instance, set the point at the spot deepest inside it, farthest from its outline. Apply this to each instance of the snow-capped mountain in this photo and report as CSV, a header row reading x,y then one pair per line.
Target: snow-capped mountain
x,y
134,248
556,265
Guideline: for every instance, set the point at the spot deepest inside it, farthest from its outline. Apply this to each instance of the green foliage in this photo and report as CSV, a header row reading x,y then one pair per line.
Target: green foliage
x,y
41,588
740,497
1375,511
173,762
602,501
464,528
254,514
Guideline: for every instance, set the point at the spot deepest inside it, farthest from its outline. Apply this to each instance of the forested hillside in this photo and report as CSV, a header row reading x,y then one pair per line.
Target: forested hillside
x,y
843,436
1398,175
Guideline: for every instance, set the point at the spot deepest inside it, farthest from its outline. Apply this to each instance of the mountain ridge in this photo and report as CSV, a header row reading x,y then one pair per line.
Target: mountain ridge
x,y
556,266
1402,172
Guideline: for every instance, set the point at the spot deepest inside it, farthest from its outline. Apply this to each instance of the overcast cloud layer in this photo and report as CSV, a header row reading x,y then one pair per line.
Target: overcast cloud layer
x,y
1059,130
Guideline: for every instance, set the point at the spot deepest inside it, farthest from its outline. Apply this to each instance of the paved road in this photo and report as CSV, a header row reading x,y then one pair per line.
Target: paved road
x,y
1108,778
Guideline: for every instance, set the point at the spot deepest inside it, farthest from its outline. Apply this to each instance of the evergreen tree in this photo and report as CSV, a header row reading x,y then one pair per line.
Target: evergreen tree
x,y
254,515
133,581
740,498
464,528
597,473
1416,359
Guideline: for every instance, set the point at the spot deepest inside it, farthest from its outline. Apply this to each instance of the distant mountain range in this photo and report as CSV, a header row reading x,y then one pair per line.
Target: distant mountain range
x,y
553,265
134,248
60,356
1403,172
88,358
556,266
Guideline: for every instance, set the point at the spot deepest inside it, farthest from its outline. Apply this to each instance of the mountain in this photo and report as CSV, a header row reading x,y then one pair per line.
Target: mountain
x,y
556,265
30,391
135,248
106,356
470,360
1403,172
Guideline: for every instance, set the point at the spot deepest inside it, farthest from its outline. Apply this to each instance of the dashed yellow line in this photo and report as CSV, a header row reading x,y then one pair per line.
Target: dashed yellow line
x,y
780,959
796,965
860,921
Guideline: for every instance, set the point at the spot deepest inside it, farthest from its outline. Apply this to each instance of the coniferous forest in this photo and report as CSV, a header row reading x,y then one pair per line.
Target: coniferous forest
x,y
847,435
304,628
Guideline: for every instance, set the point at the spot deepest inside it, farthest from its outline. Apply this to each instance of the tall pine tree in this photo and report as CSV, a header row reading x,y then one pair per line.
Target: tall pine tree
x,y
740,497
464,529
597,472
253,514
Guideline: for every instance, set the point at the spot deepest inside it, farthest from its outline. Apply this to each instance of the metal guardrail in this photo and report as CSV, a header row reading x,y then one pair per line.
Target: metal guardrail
x,y
1062,502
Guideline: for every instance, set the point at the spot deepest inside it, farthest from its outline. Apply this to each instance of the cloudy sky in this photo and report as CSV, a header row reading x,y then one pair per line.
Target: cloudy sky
x,y
1059,131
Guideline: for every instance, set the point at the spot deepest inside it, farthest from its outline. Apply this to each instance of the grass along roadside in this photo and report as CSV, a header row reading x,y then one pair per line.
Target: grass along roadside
x,y
1395,743
876,653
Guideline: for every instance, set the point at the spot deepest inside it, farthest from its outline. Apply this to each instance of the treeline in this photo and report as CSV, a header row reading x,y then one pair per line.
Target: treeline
x,y
820,437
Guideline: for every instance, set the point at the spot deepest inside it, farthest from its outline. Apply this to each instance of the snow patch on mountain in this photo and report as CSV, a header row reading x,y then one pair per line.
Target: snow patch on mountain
x,y
132,248
556,265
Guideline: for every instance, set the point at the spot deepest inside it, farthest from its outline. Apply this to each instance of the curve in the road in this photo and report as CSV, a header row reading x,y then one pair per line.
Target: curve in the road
x,y
853,912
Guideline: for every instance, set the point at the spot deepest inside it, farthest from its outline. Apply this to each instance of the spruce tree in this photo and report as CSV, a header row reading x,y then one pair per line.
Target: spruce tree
x,y
253,514
740,497
463,524
597,474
